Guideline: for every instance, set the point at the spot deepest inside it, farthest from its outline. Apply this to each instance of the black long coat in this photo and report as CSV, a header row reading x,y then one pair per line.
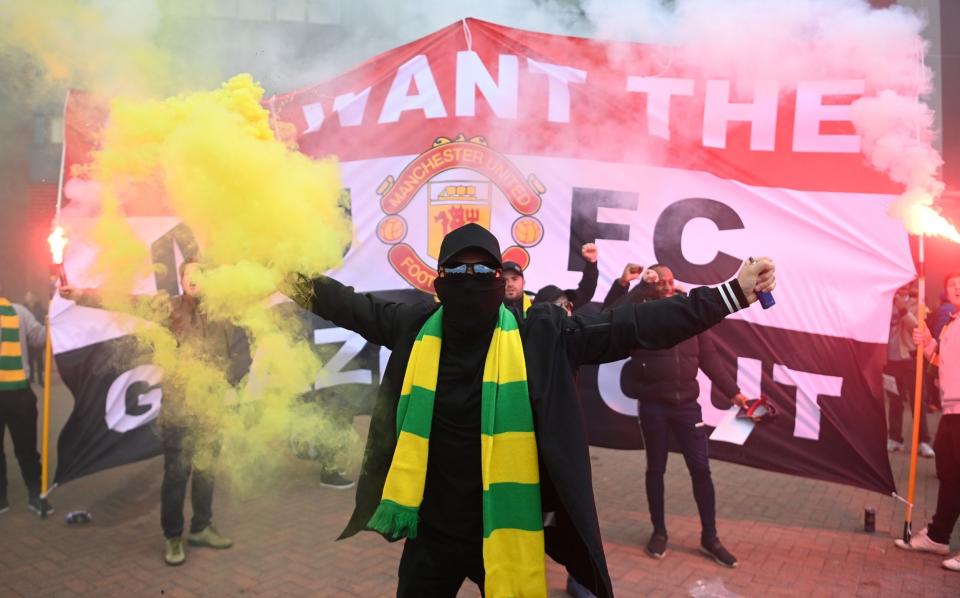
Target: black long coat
x,y
555,346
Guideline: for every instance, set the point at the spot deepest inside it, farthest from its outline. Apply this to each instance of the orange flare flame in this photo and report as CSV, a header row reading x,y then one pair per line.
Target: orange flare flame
x,y
926,220
58,242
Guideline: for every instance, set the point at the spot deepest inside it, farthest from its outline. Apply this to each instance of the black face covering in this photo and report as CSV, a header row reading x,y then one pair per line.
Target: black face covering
x,y
470,304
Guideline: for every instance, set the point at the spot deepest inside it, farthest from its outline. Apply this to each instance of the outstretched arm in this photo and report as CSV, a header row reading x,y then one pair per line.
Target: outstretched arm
x,y
374,319
654,325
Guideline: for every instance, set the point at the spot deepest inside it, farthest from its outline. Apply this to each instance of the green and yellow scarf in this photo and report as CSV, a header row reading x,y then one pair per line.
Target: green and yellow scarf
x,y
513,544
12,376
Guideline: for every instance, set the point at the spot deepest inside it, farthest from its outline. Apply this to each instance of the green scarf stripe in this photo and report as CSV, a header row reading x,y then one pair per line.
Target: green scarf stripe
x,y
517,506
513,409
433,326
507,322
14,385
7,310
417,420
10,362
9,335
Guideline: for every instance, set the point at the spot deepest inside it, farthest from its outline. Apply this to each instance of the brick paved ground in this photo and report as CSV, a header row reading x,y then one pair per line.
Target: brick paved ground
x,y
793,537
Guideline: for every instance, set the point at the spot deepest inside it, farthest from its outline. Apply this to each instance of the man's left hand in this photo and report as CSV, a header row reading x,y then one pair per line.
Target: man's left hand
x,y
589,252
756,275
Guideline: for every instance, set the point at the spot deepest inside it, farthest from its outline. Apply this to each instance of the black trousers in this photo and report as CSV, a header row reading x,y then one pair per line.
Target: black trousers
x,y
435,567
947,447
904,374
36,366
685,421
179,448
18,412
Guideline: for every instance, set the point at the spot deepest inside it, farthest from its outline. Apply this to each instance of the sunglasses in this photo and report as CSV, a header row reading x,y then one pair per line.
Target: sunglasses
x,y
479,270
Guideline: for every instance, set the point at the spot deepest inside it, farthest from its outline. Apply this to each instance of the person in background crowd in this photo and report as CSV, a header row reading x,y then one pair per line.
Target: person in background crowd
x,y
182,437
901,363
20,335
646,287
557,296
335,404
517,299
571,300
944,352
489,510
39,310
665,383
936,320
942,315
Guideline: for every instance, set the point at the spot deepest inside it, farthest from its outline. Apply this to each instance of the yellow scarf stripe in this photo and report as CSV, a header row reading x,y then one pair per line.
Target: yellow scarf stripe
x,y
514,461
513,544
10,349
12,376
409,457
503,550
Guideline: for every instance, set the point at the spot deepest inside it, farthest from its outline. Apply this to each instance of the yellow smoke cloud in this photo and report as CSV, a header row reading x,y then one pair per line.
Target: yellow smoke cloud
x,y
112,46
259,210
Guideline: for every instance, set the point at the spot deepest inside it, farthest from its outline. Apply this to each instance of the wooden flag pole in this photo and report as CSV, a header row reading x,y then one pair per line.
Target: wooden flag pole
x,y
917,398
48,349
45,444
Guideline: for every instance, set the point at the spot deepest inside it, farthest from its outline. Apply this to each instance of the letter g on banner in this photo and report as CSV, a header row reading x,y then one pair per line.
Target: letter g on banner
x,y
134,398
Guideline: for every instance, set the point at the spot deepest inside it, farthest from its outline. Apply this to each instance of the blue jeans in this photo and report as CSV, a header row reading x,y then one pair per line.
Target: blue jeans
x,y
656,421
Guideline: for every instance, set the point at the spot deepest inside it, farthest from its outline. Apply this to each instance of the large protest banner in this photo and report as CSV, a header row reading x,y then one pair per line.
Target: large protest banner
x,y
552,142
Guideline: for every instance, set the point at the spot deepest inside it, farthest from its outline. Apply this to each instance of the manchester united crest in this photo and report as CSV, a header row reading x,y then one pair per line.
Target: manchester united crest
x,y
463,179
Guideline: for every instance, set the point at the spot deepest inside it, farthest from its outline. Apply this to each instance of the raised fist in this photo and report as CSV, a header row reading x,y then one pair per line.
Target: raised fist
x,y
589,252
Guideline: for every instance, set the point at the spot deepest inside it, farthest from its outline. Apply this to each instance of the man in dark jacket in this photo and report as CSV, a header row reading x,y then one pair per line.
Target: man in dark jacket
x,y
665,383
185,433
451,523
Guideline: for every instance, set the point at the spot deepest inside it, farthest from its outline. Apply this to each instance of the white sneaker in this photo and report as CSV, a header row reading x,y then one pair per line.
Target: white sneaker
x,y
894,445
921,542
952,564
926,450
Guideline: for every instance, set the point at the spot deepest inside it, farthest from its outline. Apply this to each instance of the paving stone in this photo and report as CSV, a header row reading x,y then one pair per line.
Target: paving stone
x,y
794,537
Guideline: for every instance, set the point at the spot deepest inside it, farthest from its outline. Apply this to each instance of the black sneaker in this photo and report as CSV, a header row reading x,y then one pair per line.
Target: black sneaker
x,y
715,550
39,505
657,546
335,479
4,504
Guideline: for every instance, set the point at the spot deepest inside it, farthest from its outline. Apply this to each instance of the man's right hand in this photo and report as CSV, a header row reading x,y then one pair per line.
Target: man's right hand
x,y
298,288
922,336
631,272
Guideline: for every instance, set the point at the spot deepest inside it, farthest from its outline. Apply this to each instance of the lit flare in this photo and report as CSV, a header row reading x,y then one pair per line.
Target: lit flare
x,y
58,243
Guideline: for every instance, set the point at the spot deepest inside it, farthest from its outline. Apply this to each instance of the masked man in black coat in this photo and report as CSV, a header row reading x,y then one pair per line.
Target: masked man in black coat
x,y
448,545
